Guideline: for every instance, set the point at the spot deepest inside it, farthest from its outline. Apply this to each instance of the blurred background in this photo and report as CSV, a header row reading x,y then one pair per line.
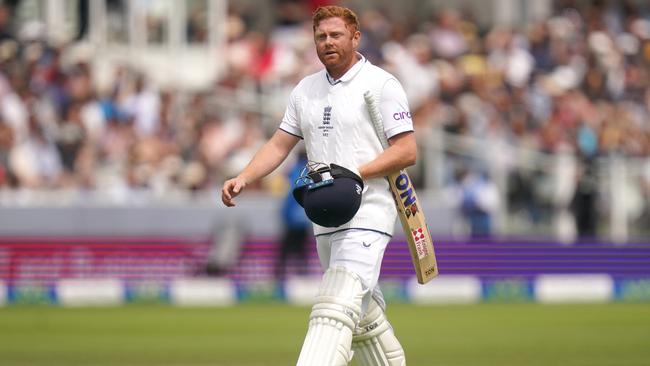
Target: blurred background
x,y
120,120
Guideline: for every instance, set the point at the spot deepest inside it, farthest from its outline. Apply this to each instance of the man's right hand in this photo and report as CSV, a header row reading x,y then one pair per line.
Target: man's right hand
x,y
231,189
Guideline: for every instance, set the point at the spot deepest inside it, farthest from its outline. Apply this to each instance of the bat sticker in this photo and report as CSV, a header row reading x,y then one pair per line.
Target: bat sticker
x,y
419,238
414,208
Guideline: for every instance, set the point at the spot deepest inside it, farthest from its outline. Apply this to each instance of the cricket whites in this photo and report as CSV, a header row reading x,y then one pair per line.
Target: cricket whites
x,y
408,208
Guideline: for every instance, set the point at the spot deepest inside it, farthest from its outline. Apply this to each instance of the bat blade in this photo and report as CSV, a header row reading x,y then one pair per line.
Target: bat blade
x,y
415,227
409,211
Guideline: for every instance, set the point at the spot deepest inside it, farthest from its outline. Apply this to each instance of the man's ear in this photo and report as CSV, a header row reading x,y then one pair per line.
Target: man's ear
x,y
356,37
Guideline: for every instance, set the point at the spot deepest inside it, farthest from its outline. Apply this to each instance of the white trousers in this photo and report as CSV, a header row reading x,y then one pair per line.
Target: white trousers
x,y
359,251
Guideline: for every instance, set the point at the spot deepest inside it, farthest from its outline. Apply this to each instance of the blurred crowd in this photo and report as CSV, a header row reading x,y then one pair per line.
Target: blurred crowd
x,y
576,82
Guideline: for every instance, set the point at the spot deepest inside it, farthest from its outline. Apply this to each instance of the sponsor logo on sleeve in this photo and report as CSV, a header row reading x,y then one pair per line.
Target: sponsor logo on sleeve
x,y
397,116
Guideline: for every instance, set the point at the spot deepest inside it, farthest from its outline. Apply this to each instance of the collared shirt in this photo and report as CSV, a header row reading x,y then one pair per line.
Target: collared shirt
x,y
333,119
393,104
354,70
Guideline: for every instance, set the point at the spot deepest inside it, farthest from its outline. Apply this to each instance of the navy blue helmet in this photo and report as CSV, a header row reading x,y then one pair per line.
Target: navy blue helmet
x,y
330,194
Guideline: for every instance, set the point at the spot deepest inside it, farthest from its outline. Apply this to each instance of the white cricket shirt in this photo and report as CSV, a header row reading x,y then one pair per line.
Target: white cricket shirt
x,y
332,117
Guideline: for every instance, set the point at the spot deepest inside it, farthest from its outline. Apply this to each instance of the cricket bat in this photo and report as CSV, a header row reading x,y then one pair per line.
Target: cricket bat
x,y
408,209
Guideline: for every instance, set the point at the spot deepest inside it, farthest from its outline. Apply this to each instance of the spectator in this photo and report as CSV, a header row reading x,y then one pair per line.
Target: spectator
x,y
296,226
144,107
6,141
579,78
584,202
6,32
446,37
36,160
477,199
70,138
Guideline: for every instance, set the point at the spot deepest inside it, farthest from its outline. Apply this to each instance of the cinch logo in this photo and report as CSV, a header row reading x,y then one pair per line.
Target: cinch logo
x,y
406,191
401,115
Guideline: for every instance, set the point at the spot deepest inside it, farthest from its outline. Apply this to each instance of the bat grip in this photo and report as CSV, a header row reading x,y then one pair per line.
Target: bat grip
x,y
375,118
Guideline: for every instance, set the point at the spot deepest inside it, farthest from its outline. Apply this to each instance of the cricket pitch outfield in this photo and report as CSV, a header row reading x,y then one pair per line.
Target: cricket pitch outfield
x,y
260,334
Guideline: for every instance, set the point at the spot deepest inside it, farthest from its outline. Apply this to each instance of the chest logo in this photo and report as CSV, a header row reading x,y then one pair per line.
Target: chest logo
x,y
327,115
326,126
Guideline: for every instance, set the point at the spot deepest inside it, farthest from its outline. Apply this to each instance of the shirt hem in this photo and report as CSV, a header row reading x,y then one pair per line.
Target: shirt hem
x,y
354,228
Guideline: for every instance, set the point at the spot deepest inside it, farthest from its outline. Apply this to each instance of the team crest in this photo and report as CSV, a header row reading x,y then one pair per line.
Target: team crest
x,y
326,127
327,115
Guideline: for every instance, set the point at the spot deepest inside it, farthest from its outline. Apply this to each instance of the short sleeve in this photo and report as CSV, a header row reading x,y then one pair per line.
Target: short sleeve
x,y
394,109
291,121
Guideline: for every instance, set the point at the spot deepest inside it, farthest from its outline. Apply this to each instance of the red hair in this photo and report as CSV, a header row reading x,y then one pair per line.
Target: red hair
x,y
333,11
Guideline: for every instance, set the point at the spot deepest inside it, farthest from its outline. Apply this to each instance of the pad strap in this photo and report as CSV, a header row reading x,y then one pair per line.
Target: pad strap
x,y
374,342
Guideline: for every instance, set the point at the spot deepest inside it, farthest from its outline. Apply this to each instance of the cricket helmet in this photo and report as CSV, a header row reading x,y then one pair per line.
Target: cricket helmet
x,y
330,194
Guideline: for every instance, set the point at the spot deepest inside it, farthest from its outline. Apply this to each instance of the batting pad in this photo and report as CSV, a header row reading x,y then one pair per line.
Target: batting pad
x,y
374,342
332,320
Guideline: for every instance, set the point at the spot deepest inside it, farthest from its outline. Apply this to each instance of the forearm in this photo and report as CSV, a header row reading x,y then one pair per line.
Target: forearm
x,y
384,164
401,154
268,157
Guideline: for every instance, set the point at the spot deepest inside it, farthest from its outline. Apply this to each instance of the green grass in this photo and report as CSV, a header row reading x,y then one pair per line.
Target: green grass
x,y
487,334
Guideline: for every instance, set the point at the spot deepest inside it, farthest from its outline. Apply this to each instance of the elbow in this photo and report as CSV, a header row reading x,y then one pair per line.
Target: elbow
x,y
406,150
410,150
410,158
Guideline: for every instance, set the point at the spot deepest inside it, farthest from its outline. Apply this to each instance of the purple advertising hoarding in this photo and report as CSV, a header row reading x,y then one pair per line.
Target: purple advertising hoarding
x,y
152,258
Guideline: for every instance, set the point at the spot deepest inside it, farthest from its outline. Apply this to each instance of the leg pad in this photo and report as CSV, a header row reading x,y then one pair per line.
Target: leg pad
x,y
333,319
374,342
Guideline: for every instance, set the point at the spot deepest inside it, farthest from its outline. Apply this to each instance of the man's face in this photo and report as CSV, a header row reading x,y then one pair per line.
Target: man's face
x,y
336,46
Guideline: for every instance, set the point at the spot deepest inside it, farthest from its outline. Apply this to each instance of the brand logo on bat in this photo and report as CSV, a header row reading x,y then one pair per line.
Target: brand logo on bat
x,y
411,211
419,238
414,208
406,192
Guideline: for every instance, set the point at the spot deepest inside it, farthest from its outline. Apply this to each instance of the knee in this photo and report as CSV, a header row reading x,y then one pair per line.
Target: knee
x,y
374,342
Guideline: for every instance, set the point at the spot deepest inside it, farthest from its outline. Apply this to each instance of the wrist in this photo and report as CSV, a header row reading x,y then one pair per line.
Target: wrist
x,y
243,180
361,172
